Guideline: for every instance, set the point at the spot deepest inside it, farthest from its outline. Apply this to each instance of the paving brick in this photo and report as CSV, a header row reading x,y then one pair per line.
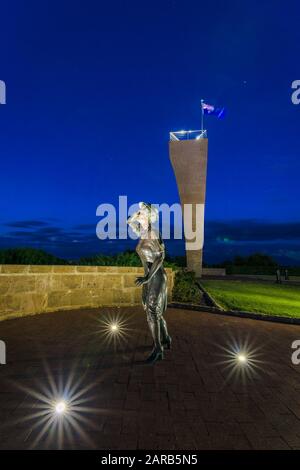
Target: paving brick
x,y
188,401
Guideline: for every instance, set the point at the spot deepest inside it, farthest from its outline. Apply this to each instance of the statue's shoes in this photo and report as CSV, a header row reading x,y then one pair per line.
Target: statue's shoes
x,y
155,356
167,342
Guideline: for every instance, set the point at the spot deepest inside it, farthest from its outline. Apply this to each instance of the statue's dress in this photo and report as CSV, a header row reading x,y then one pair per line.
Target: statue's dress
x,y
154,295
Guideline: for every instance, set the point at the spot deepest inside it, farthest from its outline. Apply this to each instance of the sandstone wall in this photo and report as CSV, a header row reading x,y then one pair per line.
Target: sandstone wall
x,y
31,289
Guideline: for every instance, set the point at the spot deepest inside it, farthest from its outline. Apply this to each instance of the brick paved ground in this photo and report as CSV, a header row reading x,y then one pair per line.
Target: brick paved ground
x,y
188,401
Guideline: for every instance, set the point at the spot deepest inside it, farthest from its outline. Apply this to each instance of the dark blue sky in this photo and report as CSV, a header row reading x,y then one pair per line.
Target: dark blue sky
x,y
93,89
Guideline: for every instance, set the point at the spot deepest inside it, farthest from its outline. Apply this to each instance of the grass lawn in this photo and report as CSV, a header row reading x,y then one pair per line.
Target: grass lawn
x,y
272,299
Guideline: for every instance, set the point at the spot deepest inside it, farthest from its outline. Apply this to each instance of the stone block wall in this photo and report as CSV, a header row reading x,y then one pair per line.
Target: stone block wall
x,y
32,289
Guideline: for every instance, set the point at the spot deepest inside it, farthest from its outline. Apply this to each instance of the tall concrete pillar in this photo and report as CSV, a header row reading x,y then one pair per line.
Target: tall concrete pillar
x,y
189,161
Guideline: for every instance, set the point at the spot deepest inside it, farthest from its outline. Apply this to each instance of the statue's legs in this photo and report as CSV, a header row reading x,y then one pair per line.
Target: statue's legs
x,y
165,337
155,302
154,325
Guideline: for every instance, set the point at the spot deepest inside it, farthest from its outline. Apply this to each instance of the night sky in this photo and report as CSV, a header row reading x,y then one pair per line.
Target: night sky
x,y
93,89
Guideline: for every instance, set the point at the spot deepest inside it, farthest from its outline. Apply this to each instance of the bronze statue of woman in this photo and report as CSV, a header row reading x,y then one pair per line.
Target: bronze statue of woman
x,y
151,251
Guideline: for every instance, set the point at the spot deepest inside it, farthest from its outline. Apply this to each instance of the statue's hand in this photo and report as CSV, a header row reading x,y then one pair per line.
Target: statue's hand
x,y
141,280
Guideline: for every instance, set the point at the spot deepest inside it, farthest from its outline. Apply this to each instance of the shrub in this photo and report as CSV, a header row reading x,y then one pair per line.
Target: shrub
x,y
186,288
28,256
127,258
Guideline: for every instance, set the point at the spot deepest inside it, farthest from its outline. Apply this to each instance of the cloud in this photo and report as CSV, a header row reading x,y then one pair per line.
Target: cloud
x,y
49,230
223,240
26,223
252,230
19,234
85,227
227,239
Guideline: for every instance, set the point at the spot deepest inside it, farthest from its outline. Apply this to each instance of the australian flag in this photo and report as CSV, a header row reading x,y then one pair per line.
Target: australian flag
x,y
213,110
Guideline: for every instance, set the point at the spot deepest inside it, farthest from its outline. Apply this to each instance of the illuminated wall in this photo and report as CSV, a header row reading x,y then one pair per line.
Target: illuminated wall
x,y
28,289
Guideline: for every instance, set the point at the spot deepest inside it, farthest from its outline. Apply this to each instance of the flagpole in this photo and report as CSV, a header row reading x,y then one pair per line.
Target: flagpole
x,y
202,101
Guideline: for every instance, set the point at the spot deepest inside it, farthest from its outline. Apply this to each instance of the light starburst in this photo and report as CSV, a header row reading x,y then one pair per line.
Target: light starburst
x,y
59,410
113,328
241,360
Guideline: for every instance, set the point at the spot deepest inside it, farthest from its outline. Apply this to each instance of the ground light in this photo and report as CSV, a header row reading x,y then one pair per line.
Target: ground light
x,y
113,329
60,407
242,358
